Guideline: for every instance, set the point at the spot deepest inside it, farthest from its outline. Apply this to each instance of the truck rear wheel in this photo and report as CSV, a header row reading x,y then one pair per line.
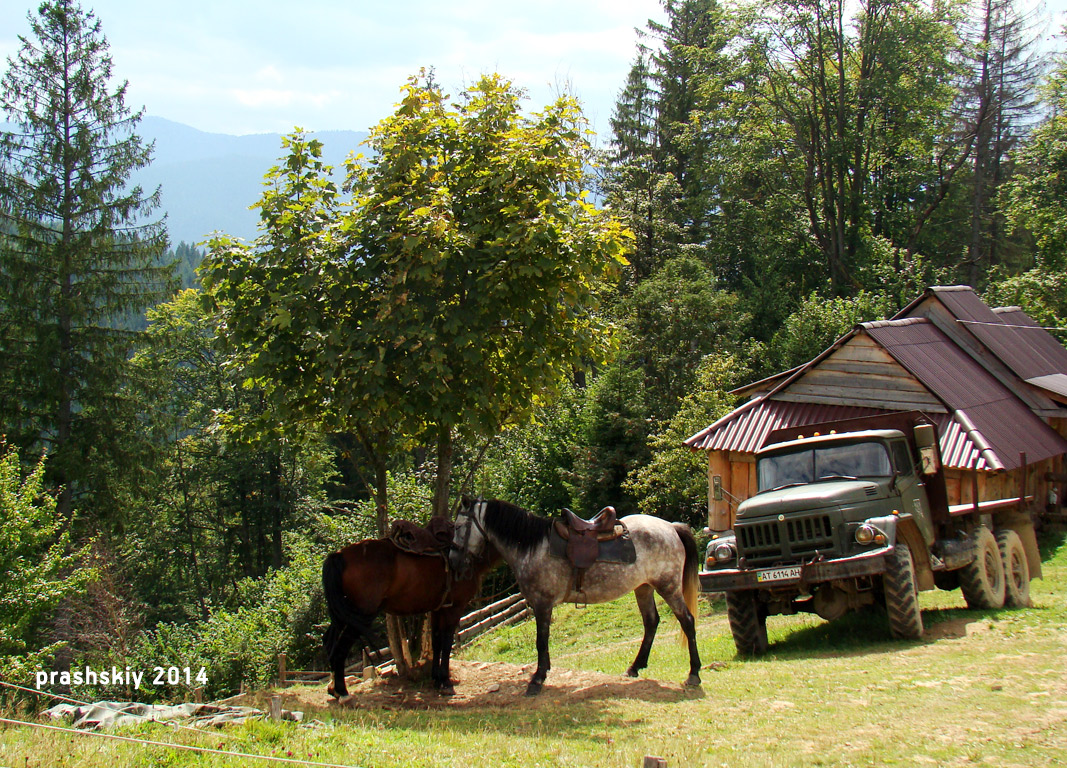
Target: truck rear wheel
x,y
748,623
982,581
1016,569
902,595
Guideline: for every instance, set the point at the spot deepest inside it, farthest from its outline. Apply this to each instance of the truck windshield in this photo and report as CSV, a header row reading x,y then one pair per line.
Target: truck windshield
x,y
809,465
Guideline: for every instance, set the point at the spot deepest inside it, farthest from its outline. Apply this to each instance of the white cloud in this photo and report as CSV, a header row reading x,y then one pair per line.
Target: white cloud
x,y
328,64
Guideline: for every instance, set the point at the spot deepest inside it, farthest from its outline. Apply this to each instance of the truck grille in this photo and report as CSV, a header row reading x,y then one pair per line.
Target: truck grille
x,y
796,538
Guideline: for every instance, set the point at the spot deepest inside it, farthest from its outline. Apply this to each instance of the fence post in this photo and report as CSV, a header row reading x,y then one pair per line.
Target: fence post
x,y
282,672
654,762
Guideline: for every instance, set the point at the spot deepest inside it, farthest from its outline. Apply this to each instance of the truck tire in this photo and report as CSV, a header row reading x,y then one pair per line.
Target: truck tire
x,y
748,623
1016,569
902,595
982,580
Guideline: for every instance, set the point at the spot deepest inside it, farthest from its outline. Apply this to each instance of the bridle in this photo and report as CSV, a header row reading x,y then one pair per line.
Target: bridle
x,y
472,514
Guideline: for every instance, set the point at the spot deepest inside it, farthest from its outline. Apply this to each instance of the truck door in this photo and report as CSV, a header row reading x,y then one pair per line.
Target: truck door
x,y
909,484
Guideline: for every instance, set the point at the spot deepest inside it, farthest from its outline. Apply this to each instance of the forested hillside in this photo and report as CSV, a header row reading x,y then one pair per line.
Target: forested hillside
x,y
455,315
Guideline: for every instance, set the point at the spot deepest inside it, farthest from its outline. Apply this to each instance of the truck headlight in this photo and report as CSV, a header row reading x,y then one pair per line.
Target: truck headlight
x,y
723,552
868,534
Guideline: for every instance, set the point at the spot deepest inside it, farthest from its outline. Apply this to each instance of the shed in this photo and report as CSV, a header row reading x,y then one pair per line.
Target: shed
x,y
989,379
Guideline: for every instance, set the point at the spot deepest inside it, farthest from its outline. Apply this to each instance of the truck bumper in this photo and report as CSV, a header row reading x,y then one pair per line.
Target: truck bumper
x,y
732,579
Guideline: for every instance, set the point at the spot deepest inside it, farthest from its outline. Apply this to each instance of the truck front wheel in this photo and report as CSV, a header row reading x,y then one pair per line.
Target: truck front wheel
x,y
748,623
902,595
1016,569
982,581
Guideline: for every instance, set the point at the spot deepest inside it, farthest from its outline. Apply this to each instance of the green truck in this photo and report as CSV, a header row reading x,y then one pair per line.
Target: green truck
x,y
853,514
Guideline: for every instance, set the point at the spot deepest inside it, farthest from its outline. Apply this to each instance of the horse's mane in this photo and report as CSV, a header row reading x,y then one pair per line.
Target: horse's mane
x,y
515,526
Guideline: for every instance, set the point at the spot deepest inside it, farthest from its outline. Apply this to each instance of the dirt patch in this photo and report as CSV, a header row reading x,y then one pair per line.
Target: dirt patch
x,y
482,685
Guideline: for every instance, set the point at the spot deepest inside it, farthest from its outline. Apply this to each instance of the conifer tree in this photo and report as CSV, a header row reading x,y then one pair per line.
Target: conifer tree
x,y
78,249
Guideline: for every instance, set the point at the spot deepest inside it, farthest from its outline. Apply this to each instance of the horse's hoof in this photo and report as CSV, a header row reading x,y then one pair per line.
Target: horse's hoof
x,y
334,694
631,672
446,690
693,681
533,689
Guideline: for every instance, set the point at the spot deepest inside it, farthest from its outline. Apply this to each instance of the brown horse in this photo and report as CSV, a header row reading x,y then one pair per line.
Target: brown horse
x,y
374,575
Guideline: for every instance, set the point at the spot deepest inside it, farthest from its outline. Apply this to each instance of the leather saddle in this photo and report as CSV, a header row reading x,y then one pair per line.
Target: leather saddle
x,y
584,538
432,539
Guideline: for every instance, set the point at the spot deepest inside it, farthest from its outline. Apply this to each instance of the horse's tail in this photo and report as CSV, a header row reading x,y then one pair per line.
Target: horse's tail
x,y
691,569
338,605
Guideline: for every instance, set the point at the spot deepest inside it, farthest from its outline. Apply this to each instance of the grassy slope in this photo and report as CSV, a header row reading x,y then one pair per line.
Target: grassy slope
x,y
991,689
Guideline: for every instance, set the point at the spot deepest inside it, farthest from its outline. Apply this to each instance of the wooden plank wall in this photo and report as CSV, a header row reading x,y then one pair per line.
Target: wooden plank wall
x,y
861,373
738,474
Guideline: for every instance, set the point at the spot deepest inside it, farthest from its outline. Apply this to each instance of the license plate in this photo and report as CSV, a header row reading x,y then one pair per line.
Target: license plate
x,y
779,574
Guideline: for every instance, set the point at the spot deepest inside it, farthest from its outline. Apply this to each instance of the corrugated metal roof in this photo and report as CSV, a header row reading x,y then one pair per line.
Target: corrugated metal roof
x,y
988,427
1010,334
999,418
1055,383
746,428
745,431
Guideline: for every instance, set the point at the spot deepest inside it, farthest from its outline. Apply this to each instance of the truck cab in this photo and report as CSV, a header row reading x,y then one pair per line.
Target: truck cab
x,y
846,517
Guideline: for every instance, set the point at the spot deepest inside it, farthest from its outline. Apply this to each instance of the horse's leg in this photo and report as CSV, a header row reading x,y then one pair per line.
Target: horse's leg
x,y
337,641
646,603
543,619
447,635
676,601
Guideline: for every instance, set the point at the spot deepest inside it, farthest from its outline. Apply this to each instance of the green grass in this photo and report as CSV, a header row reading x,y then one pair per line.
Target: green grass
x,y
986,688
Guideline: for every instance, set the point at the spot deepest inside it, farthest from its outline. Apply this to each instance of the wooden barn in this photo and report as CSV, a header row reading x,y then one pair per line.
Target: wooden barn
x,y
993,380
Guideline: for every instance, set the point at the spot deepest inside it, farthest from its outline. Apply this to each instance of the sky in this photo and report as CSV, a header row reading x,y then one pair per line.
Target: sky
x,y
267,66
238,67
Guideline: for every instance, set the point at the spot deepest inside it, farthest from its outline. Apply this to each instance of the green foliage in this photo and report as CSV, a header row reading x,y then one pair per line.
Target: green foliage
x,y
1041,294
817,324
77,251
862,109
680,315
40,565
614,439
216,499
1037,195
486,261
456,293
532,464
673,483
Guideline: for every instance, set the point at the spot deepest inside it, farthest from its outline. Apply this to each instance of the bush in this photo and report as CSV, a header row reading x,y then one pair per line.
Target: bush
x,y
39,565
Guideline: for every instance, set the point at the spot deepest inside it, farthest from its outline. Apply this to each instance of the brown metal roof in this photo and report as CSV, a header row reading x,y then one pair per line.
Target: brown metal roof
x,y
1010,334
746,431
987,427
746,428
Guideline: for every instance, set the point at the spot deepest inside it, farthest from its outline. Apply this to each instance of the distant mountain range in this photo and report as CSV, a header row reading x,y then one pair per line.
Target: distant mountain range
x,y
210,180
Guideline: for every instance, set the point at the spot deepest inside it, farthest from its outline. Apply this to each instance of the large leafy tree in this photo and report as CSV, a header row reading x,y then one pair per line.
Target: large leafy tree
x,y
453,295
486,263
78,248
1037,195
862,99
1005,69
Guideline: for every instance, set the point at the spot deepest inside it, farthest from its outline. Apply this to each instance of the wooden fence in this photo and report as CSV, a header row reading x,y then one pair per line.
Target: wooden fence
x,y
502,613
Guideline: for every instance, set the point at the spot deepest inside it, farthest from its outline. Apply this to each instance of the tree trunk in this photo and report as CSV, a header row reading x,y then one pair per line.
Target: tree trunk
x,y
443,481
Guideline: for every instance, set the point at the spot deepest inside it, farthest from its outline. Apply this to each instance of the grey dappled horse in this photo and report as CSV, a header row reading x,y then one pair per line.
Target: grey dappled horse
x,y
666,562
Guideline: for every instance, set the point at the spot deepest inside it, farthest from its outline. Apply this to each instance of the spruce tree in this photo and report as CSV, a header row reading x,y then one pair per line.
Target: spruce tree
x,y
79,248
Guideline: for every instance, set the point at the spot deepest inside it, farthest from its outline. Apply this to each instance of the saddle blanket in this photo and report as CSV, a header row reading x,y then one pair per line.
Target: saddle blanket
x,y
620,550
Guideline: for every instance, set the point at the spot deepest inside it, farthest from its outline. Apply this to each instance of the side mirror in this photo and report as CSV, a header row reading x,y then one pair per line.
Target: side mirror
x,y
716,488
925,435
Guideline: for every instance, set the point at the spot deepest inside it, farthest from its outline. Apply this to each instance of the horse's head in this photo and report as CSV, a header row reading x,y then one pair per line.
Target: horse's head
x,y
469,540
